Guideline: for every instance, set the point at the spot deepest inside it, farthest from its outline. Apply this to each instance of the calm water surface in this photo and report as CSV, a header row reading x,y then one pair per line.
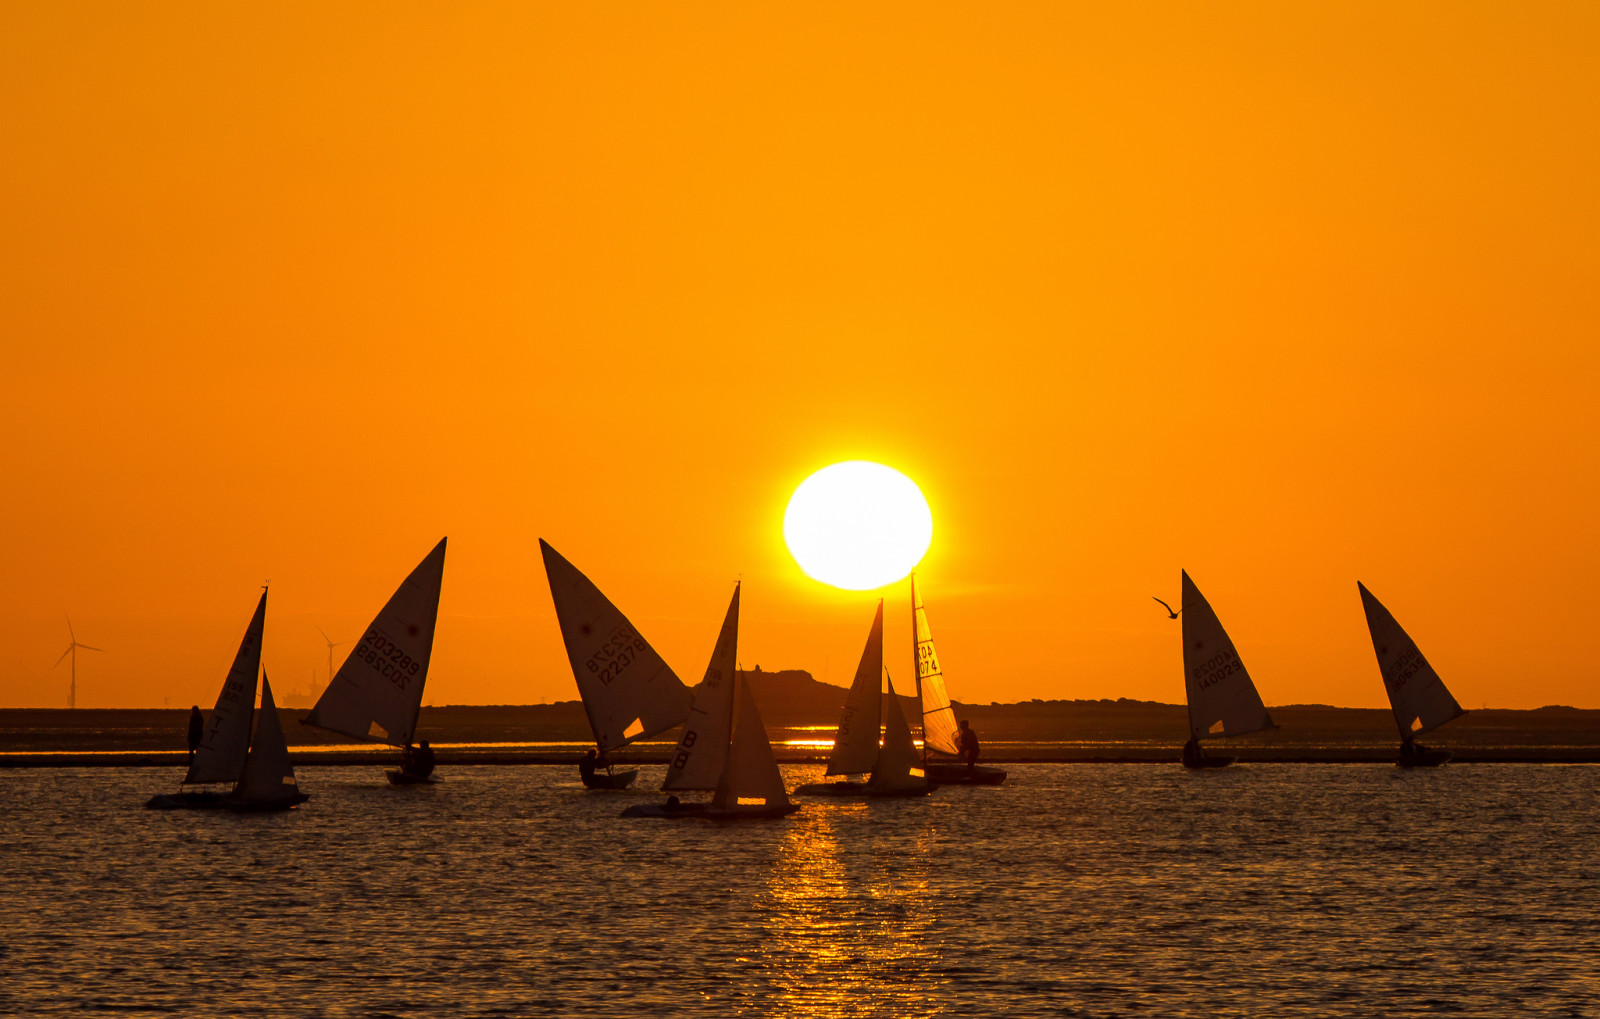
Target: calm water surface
x,y
1267,890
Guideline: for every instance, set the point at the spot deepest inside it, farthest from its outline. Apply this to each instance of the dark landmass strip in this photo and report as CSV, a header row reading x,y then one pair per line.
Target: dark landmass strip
x,y
794,705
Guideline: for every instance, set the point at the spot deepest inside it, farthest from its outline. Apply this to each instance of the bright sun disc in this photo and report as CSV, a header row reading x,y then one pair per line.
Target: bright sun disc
x,y
857,525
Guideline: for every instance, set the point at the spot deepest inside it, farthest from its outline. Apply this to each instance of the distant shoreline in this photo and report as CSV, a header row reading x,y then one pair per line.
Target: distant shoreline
x,y
1079,755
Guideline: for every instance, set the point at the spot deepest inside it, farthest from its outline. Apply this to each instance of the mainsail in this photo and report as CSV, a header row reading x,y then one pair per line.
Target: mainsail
x,y
628,691
268,775
703,748
855,742
377,693
221,754
1222,700
939,729
751,778
898,766
1416,693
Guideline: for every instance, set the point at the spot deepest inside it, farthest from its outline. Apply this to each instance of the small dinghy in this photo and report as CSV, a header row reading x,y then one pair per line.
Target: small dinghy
x,y
1222,699
376,696
259,768
895,768
1419,698
611,779
724,746
941,733
629,692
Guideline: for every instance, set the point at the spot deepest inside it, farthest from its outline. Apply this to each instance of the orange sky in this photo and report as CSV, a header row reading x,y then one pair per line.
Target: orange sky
x,y
1287,298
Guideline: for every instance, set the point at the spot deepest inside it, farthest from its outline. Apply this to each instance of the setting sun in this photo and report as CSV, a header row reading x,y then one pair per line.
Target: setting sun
x,y
857,525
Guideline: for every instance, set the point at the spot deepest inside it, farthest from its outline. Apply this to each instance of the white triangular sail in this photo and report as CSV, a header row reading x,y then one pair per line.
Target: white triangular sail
x,y
1416,693
268,775
940,732
220,756
1222,700
898,766
628,691
377,693
750,780
703,748
855,742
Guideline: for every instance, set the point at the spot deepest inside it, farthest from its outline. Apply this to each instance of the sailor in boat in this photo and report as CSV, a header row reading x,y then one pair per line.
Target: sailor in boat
x,y
197,730
1191,753
587,764
418,760
1410,749
969,745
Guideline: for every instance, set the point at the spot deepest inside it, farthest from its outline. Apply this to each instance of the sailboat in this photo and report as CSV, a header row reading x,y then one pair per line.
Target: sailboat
x,y
724,747
262,777
628,691
1420,700
940,732
1222,699
895,768
376,695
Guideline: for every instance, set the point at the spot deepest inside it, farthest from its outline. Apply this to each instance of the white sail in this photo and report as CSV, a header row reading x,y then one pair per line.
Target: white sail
x,y
940,732
220,756
268,775
377,693
750,779
1222,700
898,766
628,691
855,742
1416,693
703,747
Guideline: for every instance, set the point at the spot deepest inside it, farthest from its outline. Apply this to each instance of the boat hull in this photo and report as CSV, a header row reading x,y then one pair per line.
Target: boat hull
x,y
750,814
861,789
957,774
188,801
615,780
1424,759
706,812
398,777
662,810
243,806
221,801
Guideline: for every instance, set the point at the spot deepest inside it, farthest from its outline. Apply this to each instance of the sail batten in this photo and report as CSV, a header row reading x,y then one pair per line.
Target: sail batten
x,y
376,695
1222,699
702,750
1418,697
940,731
226,739
629,692
855,741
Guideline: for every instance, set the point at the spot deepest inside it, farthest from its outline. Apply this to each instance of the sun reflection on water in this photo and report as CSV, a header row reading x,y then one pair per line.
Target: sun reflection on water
x,y
851,914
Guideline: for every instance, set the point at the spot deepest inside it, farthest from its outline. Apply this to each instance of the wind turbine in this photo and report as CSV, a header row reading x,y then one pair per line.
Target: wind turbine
x,y
72,649
331,645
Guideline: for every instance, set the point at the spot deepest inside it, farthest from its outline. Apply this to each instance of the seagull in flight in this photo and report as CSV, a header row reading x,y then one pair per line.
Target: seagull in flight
x,y
1170,614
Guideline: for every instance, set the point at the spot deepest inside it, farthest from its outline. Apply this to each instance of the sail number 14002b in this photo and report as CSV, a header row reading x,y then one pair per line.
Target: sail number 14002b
x,y
1217,668
387,660
616,654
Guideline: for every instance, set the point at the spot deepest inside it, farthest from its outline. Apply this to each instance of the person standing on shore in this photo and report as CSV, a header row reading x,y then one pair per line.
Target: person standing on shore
x,y
197,730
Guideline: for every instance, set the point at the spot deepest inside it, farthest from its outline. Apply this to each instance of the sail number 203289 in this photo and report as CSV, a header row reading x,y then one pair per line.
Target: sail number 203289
x,y
387,660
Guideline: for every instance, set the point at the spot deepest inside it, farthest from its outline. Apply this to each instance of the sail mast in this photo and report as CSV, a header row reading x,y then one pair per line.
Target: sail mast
x,y
916,668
